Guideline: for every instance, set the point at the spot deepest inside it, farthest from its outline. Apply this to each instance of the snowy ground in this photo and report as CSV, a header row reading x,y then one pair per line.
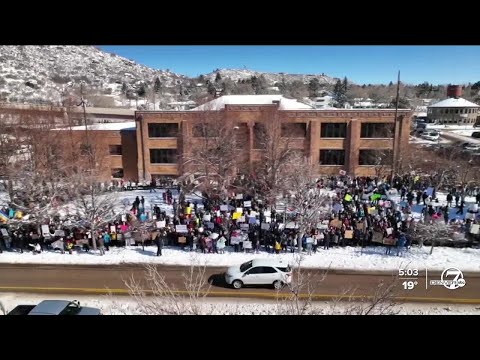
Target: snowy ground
x,y
223,306
350,258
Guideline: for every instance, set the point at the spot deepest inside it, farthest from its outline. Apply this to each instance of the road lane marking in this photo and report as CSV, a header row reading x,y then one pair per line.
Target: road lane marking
x,y
238,294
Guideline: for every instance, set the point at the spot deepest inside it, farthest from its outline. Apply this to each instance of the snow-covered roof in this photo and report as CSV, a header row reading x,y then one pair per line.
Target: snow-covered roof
x,y
130,125
285,104
452,103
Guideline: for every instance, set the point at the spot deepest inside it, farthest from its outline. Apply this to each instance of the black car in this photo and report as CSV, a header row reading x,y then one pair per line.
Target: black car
x,y
476,134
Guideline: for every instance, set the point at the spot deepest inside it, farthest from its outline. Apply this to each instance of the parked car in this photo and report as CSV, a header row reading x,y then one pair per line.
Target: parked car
x,y
476,134
431,135
259,272
472,147
55,307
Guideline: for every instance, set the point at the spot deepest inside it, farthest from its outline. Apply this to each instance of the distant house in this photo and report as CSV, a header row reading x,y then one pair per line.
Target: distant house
x,y
454,110
323,102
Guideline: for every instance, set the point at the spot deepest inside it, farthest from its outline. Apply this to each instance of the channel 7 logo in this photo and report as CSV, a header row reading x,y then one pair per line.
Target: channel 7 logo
x,y
452,278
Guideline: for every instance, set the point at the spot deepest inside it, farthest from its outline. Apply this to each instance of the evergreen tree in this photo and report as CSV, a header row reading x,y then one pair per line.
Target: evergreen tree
x,y
124,88
339,93
345,85
157,85
211,89
142,91
313,87
218,77
390,83
201,79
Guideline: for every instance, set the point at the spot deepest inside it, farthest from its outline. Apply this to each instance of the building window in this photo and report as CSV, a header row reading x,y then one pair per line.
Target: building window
x,y
446,111
115,149
375,157
456,111
377,130
294,130
117,173
206,130
334,130
162,130
332,157
163,156
259,136
86,149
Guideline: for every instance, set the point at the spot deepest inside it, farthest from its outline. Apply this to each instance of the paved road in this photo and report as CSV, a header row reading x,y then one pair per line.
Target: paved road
x,y
68,279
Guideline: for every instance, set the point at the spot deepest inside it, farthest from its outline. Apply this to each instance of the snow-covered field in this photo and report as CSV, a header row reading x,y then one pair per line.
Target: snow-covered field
x,y
351,258
222,306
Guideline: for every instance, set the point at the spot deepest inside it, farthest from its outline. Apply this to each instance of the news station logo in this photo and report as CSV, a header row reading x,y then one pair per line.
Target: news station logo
x,y
452,279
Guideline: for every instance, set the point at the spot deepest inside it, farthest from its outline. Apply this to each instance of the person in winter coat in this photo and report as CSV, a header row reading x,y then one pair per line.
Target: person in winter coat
x,y
446,211
402,242
160,242
449,199
478,198
221,244
101,245
106,240
278,247
457,199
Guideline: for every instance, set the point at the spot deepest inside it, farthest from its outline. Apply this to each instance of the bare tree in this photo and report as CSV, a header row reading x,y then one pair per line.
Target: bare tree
x,y
309,202
156,296
211,166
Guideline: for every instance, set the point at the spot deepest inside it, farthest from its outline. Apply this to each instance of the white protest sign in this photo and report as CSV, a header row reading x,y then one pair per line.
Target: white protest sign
x,y
161,224
113,229
239,197
240,210
247,204
4,232
265,226
475,229
223,207
244,226
45,231
181,228
124,218
247,244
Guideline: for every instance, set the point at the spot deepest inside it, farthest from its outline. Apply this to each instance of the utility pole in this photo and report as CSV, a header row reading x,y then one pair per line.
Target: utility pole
x,y
395,130
83,104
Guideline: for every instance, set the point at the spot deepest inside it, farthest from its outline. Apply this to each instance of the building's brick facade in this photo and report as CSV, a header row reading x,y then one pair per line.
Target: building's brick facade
x,y
246,116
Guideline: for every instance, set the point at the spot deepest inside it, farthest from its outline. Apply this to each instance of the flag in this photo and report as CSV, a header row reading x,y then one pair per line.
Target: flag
x,y
3,217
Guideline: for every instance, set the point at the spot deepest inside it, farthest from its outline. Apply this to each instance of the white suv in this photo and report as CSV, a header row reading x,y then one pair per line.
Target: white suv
x,y
259,272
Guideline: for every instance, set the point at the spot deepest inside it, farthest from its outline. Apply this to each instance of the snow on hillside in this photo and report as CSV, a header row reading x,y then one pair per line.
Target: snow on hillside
x,y
42,73
272,78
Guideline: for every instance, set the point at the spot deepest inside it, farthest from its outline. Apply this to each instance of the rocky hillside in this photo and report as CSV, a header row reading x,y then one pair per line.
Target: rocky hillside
x,y
53,74
40,74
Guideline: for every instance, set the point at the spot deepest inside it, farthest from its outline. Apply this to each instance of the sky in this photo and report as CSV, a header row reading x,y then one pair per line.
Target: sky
x,y
360,64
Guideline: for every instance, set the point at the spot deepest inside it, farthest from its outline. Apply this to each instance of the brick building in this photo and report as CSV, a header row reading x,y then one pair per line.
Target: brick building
x,y
357,141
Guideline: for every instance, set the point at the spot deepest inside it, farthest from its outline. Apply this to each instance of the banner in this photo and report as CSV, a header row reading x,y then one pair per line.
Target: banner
x,y
181,228
239,197
247,204
161,224
244,227
223,207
